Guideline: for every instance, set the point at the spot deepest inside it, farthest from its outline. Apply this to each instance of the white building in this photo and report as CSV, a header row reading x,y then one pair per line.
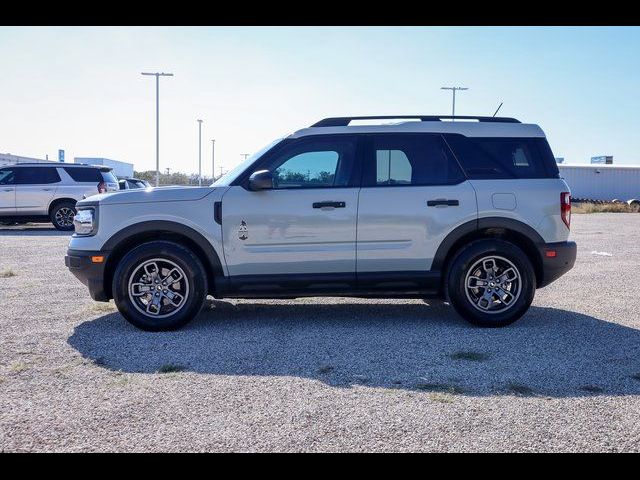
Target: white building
x,y
7,158
120,169
602,182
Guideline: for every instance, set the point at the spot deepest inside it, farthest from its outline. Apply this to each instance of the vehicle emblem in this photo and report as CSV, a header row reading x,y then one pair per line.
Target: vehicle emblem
x,y
242,233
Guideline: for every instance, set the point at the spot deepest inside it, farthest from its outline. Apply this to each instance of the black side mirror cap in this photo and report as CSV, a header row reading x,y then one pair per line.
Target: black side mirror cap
x,y
261,180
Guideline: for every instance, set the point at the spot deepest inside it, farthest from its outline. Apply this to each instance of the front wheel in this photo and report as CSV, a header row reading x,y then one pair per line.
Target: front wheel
x,y
491,283
159,286
62,216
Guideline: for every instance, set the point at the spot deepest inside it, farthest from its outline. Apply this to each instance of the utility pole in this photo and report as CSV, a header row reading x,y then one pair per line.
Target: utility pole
x,y
199,153
158,75
213,160
245,155
453,89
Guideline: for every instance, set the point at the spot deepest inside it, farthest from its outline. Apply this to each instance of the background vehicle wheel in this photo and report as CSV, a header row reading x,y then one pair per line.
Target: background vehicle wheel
x,y
62,216
491,283
159,286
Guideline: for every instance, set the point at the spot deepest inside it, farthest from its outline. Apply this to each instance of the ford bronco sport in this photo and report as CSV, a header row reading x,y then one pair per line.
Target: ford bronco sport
x,y
471,210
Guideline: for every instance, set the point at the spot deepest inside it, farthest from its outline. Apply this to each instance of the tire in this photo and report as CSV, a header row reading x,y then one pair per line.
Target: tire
x,y
513,286
179,301
62,215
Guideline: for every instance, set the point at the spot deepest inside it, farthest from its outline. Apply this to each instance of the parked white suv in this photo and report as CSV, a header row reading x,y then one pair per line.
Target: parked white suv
x,y
36,192
472,211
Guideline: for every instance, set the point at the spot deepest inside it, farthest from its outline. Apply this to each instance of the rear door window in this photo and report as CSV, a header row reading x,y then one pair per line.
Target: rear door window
x,y
410,159
82,174
36,176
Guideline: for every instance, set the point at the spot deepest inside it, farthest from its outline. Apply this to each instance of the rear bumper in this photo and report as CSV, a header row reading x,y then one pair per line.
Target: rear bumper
x,y
89,273
556,265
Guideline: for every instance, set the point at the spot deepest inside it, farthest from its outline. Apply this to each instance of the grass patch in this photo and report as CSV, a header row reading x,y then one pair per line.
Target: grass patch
x,y
470,356
102,307
440,397
587,207
8,273
520,389
171,368
19,367
591,389
325,369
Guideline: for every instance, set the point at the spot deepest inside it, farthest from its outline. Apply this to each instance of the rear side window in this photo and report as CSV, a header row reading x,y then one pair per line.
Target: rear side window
x,y
36,176
498,158
396,160
109,177
7,176
82,174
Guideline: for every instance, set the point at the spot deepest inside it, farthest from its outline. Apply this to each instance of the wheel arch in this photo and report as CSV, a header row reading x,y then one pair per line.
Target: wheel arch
x,y
56,201
514,231
126,239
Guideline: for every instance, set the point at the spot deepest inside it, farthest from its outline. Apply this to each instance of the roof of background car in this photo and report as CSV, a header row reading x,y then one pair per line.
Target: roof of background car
x,y
57,164
466,128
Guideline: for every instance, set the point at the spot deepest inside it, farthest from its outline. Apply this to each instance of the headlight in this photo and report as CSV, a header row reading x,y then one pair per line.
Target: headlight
x,y
85,222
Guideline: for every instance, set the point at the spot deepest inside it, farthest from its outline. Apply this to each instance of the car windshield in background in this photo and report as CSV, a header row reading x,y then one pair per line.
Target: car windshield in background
x,y
232,174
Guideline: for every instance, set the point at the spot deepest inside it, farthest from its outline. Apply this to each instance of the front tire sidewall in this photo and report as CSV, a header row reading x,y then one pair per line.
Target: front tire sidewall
x,y
466,259
185,259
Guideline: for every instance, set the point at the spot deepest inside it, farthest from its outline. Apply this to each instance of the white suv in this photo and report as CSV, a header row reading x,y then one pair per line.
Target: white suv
x,y
36,192
472,211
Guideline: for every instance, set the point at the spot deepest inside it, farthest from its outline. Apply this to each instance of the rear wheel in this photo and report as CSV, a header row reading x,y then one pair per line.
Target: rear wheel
x,y
62,215
159,286
491,283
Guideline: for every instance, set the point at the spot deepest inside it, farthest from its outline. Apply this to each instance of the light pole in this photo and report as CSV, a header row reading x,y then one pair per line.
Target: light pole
x,y
453,89
213,160
158,75
199,153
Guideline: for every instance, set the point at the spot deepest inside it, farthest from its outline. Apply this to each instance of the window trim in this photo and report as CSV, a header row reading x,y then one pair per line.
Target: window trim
x,y
369,153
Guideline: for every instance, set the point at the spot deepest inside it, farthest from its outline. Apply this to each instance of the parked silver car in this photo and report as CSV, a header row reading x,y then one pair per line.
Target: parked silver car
x,y
471,211
36,192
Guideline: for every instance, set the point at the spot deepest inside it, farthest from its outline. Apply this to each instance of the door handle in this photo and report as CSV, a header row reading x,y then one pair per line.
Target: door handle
x,y
442,201
329,204
7,189
47,189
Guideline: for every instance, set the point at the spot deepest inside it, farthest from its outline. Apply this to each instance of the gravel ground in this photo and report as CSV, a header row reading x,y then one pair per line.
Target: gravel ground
x,y
323,374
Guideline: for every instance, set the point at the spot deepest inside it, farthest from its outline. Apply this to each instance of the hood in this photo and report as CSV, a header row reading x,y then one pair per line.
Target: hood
x,y
149,195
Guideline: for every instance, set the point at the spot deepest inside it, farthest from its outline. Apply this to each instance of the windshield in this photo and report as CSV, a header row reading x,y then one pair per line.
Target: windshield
x,y
235,172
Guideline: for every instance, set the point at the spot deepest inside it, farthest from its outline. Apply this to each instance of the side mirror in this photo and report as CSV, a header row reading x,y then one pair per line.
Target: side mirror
x,y
261,180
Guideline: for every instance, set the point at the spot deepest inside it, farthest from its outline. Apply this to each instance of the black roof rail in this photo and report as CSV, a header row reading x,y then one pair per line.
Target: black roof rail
x,y
344,121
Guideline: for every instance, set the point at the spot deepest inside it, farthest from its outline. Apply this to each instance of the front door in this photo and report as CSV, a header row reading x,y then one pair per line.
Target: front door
x,y
413,194
304,229
35,188
7,192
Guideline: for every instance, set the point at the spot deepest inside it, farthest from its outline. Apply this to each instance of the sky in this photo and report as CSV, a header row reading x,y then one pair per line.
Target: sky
x,y
80,88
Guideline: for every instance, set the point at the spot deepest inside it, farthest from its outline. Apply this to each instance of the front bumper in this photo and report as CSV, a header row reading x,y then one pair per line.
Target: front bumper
x,y
553,267
89,273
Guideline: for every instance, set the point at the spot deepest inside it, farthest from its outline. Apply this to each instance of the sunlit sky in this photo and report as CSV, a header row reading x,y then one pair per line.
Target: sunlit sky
x,y
80,89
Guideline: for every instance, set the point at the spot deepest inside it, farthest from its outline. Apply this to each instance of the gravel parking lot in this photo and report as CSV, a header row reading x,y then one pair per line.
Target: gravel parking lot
x,y
323,374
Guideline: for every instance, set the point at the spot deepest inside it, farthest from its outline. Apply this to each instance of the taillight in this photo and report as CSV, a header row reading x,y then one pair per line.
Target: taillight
x,y
565,208
102,187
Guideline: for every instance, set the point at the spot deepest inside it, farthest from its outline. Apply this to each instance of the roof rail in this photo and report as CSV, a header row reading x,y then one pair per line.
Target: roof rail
x,y
344,121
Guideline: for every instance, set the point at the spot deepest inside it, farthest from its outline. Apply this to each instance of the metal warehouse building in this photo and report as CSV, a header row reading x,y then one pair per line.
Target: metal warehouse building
x,y
7,159
602,182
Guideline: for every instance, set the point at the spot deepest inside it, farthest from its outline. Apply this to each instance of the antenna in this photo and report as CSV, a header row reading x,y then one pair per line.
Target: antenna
x,y
499,106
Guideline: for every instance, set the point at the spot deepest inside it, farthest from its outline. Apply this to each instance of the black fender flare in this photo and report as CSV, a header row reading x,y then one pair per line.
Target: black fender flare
x,y
212,261
477,225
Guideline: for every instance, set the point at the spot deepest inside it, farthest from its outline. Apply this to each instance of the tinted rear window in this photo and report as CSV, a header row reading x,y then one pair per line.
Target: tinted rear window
x,y
84,174
496,158
109,177
36,176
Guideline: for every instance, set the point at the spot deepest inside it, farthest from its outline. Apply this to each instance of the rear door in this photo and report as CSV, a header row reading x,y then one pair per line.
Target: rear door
x,y
413,194
7,191
304,229
35,188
